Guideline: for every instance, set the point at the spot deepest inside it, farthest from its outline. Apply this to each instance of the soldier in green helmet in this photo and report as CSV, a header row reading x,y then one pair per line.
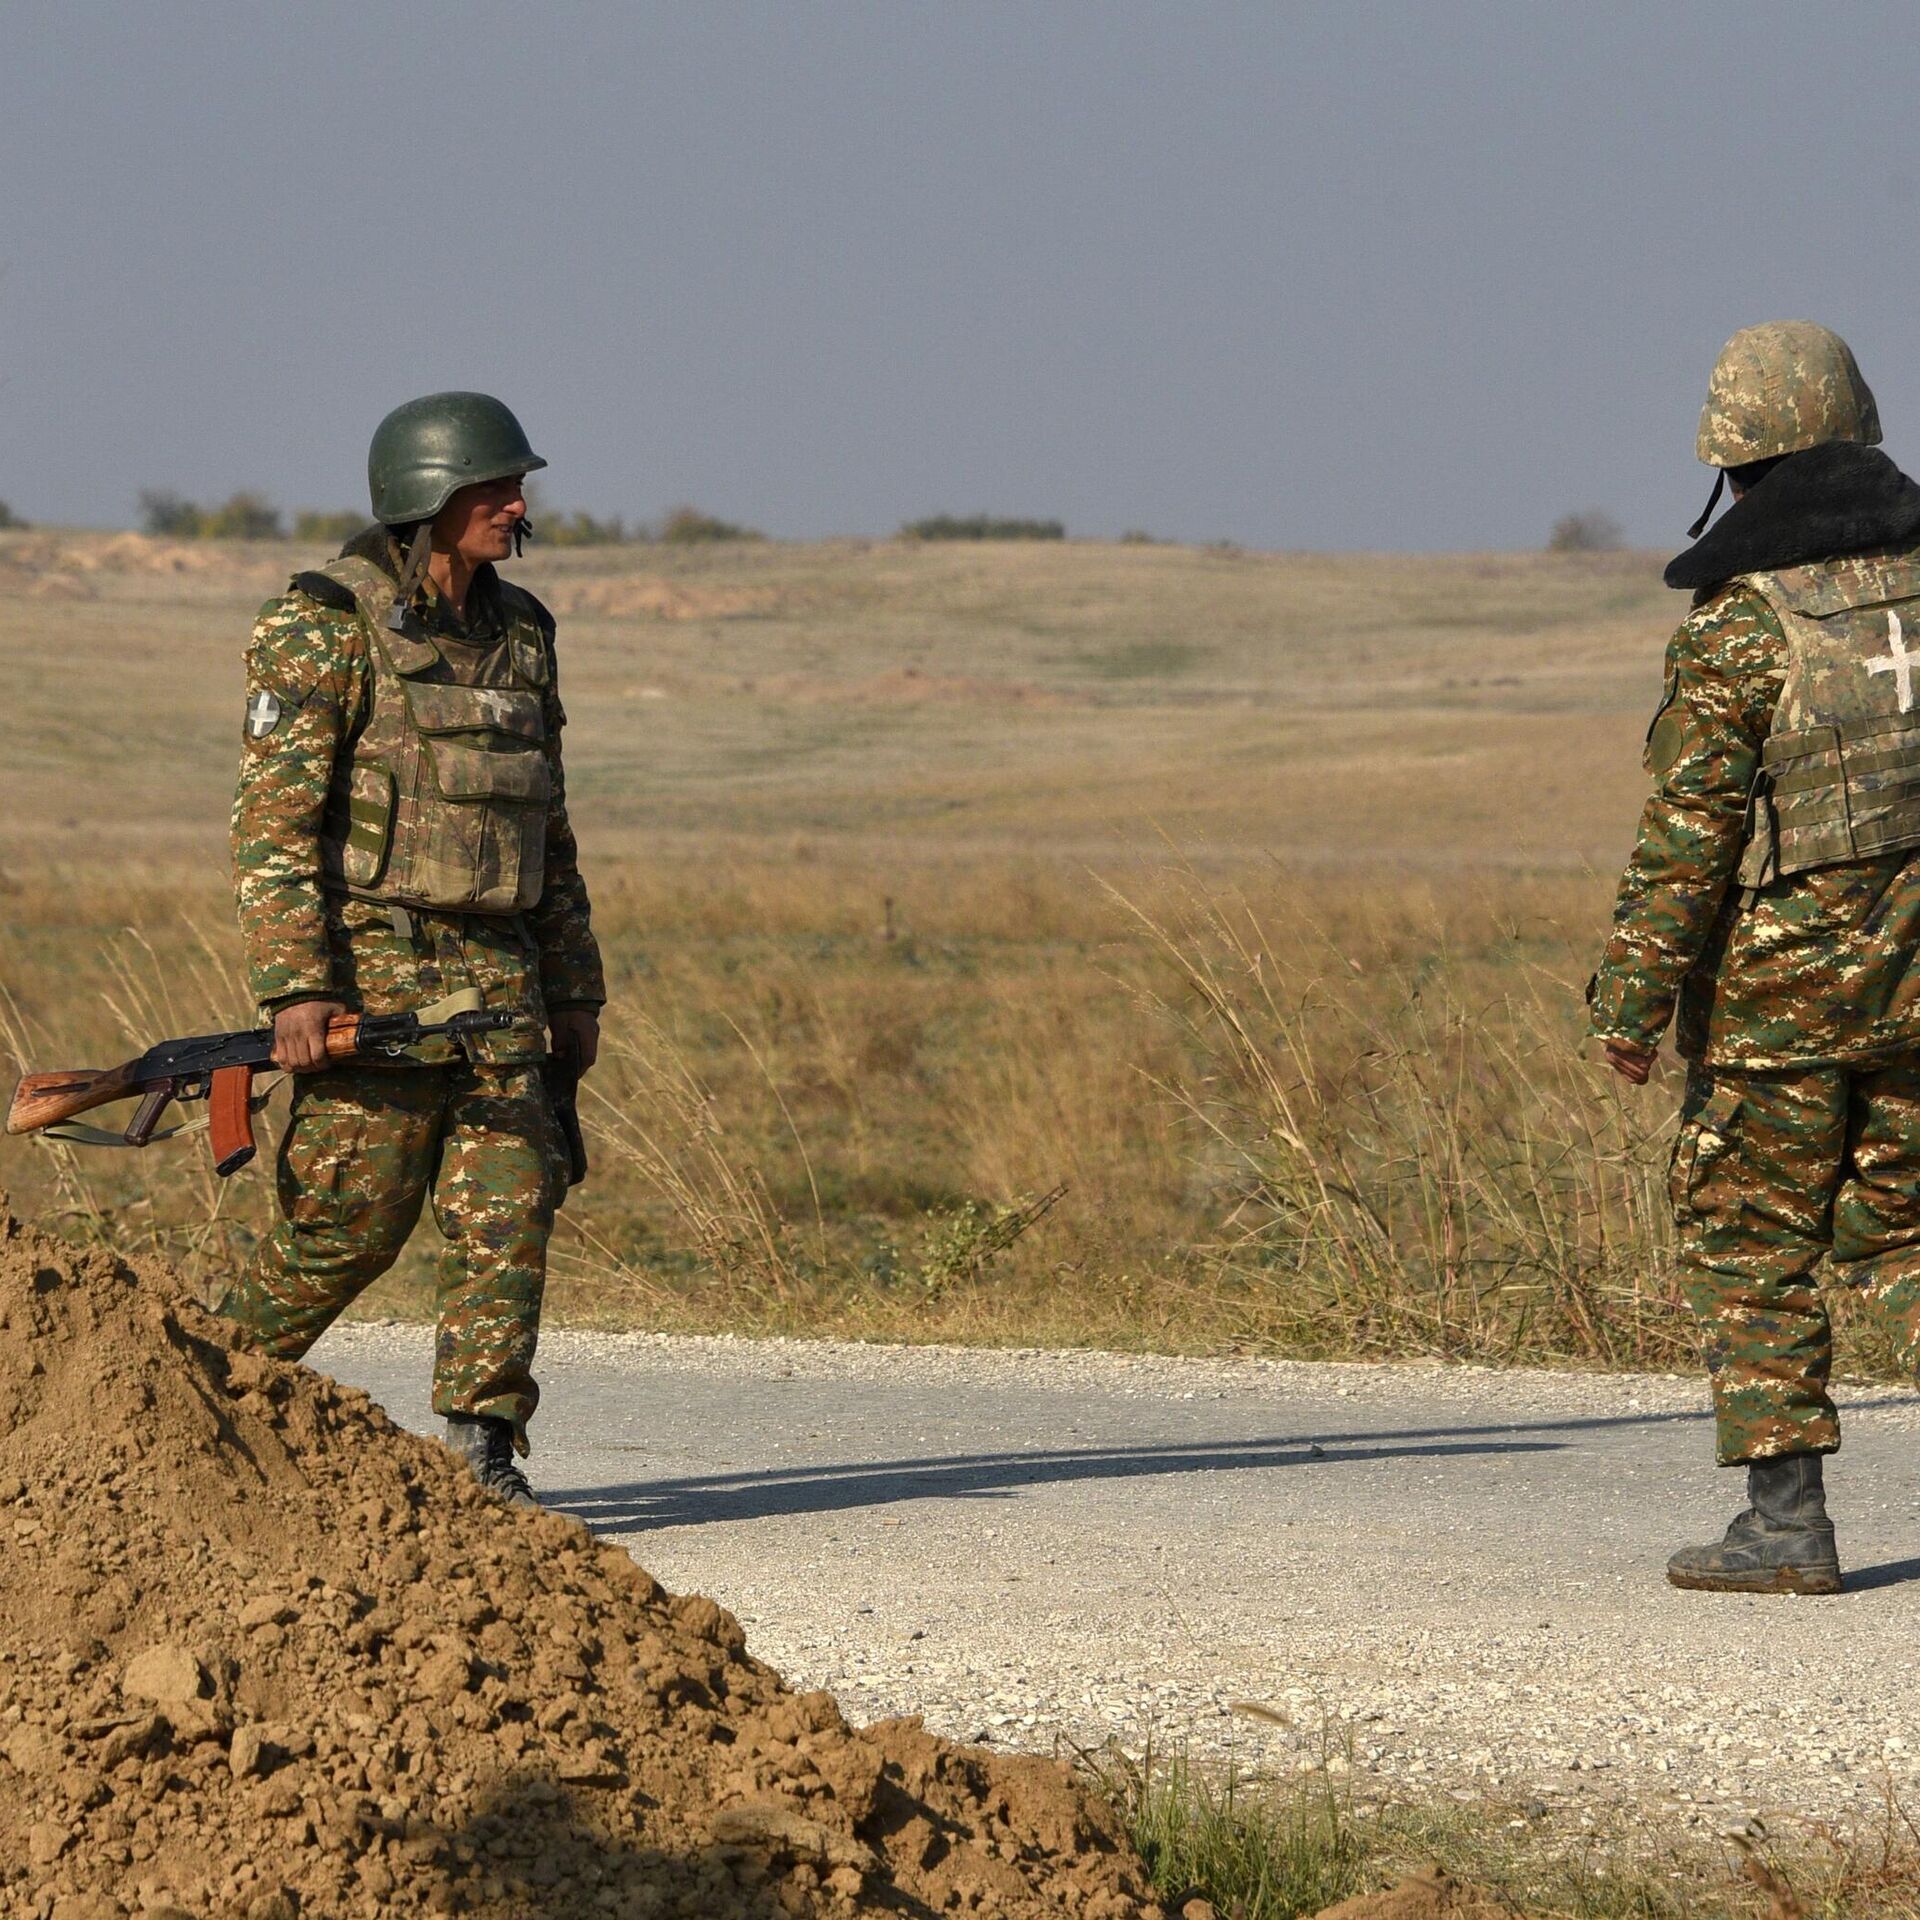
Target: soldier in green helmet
x,y
1771,912
401,841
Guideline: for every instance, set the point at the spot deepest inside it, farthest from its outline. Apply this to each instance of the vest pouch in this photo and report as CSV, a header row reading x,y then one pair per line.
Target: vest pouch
x,y
371,794
1883,787
529,659
438,709
484,847
1800,806
1844,793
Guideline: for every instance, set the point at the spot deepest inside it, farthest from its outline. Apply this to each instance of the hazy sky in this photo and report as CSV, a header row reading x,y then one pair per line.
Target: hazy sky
x,y
1414,275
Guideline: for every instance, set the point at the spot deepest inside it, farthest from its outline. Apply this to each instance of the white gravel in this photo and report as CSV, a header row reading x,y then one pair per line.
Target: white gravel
x,y
1443,1578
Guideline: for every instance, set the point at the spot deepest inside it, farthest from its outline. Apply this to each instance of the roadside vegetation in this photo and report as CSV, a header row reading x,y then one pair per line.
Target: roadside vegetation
x,y
1150,1112
1271,1851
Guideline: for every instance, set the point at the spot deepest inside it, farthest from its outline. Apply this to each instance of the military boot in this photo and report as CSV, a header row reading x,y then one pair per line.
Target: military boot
x,y
486,1445
1783,1543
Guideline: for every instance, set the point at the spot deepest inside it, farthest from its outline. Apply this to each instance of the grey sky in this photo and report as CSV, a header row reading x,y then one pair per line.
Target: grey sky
x,y
1324,276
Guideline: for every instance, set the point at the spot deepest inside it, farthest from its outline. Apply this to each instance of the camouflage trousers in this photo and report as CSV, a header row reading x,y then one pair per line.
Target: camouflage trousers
x,y
1771,1172
363,1149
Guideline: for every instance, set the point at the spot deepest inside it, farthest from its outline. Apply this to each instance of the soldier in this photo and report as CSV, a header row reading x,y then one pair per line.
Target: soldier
x,y
400,841
1773,900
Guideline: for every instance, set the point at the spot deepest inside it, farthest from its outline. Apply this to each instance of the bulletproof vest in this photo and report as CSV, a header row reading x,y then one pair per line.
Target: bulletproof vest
x,y
443,800
1839,776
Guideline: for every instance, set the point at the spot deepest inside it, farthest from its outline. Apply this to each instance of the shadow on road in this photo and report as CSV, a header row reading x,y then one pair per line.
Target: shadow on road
x,y
1890,1573
986,1476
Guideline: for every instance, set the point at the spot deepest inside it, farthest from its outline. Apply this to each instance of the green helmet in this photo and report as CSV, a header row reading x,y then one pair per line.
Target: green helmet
x,y
423,452
1782,388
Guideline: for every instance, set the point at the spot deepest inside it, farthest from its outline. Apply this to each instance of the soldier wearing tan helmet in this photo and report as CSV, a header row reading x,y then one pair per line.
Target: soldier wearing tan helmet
x,y
400,843
1771,910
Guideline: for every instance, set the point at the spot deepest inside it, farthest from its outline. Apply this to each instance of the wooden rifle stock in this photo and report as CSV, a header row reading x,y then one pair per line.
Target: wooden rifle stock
x,y
45,1099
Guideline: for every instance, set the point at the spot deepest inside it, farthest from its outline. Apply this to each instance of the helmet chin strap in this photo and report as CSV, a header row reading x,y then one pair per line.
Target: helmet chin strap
x,y
412,574
1713,500
522,533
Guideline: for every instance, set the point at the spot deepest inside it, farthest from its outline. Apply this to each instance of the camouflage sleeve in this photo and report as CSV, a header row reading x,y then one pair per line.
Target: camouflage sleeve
x,y
306,676
1724,669
562,922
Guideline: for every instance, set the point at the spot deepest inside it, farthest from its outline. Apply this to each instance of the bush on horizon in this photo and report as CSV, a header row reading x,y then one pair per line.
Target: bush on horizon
x,y
688,526
981,526
241,516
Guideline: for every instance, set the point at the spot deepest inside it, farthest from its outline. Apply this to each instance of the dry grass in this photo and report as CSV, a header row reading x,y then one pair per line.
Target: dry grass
x,y
1072,944
1260,1851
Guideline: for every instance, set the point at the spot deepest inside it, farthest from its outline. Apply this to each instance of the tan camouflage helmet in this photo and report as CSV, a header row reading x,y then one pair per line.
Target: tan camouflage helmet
x,y
1781,388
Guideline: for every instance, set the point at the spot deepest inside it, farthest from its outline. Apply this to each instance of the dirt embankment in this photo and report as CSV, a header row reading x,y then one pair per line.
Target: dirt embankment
x,y
267,1655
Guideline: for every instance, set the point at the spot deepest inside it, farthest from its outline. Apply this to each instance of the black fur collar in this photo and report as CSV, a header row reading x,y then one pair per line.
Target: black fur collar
x,y
1836,498
376,544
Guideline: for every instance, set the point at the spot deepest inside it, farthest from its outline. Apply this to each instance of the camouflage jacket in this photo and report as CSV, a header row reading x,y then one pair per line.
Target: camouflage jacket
x,y
1820,968
303,940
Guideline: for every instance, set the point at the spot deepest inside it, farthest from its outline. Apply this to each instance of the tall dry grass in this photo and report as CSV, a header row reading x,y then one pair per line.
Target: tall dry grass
x,y
1409,1151
1194,1110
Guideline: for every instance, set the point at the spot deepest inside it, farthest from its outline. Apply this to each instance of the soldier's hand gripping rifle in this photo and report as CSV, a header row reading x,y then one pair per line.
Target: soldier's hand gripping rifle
x,y
217,1068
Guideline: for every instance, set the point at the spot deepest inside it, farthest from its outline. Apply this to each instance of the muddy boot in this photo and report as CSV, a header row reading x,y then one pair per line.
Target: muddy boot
x,y
1783,1543
486,1445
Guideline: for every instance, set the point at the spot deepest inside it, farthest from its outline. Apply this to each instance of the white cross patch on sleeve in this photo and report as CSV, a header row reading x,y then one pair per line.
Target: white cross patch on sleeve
x,y
263,714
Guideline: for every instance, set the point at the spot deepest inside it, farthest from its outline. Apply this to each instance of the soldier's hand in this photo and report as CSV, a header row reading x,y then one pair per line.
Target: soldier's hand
x,y
1630,1062
300,1035
576,1037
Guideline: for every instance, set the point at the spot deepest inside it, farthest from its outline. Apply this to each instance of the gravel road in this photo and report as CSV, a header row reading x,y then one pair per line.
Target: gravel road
x,y
1448,1578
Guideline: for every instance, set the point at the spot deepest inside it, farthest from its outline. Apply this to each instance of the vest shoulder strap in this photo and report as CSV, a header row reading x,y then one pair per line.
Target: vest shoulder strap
x,y
532,651
374,591
1827,587
515,599
327,590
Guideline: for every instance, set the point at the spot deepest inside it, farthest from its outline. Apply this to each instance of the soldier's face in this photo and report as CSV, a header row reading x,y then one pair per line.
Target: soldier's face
x,y
478,522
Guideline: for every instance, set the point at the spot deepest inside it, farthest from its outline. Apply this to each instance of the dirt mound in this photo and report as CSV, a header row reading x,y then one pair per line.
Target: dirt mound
x,y
267,1655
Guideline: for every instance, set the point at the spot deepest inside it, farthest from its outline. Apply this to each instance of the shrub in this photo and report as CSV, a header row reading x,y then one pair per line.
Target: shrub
x,y
1590,531
981,526
688,526
578,529
244,516
165,513
327,528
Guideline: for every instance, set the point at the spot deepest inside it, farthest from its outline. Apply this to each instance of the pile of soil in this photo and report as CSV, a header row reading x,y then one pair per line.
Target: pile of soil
x,y
267,1655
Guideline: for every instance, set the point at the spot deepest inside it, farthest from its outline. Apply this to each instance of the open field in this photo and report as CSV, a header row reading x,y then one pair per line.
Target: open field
x,y
1245,897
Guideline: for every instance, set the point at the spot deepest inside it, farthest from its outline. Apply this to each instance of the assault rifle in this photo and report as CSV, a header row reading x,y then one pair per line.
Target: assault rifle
x,y
217,1068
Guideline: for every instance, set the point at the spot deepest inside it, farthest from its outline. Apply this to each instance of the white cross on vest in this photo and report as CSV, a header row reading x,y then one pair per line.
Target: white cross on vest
x,y
1898,662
